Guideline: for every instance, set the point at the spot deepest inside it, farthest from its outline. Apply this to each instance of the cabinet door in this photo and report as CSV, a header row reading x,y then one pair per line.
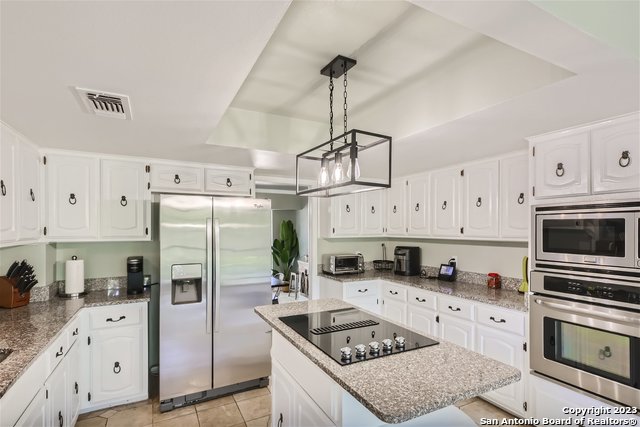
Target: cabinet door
x,y
30,198
445,197
72,203
562,166
505,348
480,205
307,412
514,196
417,208
345,213
116,363
74,388
56,387
372,207
124,199
422,320
396,208
36,413
457,331
369,303
228,181
615,150
176,179
395,311
282,396
8,186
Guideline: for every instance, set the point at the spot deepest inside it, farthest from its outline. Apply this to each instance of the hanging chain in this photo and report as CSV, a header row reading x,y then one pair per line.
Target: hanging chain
x,y
331,108
345,105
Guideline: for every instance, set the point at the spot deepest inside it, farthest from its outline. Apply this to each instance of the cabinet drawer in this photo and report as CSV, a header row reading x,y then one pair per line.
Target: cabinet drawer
x,y
396,292
176,178
223,181
498,318
421,298
456,307
115,316
73,332
361,289
57,350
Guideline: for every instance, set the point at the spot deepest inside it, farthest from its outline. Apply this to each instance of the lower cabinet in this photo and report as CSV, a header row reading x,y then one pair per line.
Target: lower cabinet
x,y
423,320
396,311
457,331
36,414
73,383
369,303
56,392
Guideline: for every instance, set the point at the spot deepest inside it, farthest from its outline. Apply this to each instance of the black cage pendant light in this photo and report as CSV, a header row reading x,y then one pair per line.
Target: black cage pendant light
x,y
351,162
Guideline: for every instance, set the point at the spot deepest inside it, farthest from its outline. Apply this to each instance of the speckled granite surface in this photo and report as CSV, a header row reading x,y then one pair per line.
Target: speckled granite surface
x,y
28,330
501,297
404,386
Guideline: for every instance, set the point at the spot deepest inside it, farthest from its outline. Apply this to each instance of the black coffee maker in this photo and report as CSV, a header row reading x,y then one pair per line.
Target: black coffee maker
x,y
135,276
406,260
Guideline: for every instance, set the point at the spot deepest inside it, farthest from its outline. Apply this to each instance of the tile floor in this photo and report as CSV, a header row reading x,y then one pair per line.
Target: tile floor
x,y
247,409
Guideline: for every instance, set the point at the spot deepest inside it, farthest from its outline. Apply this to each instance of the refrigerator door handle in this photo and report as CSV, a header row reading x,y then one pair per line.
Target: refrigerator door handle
x,y
209,265
216,280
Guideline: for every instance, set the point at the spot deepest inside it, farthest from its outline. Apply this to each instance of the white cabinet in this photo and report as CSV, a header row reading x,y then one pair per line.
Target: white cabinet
x,y
372,207
422,319
73,194
282,397
125,200
396,311
176,179
8,186
396,208
445,197
345,215
562,165
418,205
36,414
514,196
30,197
615,154
74,384
228,181
56,392
480,199
457,331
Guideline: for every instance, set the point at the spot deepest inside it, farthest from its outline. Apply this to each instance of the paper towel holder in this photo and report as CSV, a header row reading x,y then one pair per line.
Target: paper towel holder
x,y
61,288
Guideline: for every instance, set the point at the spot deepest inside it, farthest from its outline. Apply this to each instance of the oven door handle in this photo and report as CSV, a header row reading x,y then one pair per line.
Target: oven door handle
x,y
608,316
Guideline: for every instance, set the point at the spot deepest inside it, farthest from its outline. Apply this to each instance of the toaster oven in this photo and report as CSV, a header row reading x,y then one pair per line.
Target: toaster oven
x,y
342,263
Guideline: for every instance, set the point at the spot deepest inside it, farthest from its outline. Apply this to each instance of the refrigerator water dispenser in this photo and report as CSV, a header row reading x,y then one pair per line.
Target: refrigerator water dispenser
x,y
186,283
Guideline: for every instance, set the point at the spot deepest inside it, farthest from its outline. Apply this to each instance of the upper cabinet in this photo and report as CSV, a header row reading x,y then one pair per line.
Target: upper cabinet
x,y
615,154
396,208
228,181
480,215
373,205
30,196
418,205
73,193
514,196
177,179
8,186
345,213
190,178
445,196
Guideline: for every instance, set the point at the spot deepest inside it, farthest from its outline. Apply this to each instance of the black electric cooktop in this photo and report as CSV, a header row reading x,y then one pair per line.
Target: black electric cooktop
x,y
350,335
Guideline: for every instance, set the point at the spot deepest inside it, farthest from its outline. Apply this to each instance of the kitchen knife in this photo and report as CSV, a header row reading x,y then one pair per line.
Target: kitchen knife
x,y
19,270
11,268
20,284
30,285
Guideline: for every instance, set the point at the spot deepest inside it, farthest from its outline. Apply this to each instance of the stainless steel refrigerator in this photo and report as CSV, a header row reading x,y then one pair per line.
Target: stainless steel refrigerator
x,y
215,260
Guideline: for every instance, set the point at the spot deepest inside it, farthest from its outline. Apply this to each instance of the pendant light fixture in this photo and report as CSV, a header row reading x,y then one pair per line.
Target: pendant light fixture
x,y
367,154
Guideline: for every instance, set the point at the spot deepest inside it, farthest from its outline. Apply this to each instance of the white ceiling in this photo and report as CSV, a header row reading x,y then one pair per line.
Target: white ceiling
x,y
238,82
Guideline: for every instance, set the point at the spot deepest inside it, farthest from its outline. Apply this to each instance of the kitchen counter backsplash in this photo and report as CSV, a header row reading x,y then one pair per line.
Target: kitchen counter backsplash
x,y
45,293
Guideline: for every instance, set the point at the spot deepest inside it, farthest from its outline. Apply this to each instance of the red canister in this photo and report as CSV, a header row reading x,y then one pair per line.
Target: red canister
x,y
494,281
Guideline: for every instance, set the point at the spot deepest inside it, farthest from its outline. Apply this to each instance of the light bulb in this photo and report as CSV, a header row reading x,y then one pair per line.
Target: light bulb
x,y
324,174
338,174
357,170
353,159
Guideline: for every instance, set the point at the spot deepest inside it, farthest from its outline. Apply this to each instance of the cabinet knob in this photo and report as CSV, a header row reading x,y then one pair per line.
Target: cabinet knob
x,y
395,209
3,188
479,202
625,159
72,199
33,196
373,209
521,198
444,205
123,201
559,169
176,179
229,183
117,368
348,209
417,208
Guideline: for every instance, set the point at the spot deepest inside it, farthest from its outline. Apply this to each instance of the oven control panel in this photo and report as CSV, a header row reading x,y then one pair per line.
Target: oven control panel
x,y
593,289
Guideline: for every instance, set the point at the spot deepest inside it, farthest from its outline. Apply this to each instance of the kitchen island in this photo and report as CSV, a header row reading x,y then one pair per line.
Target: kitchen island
x,y
417,387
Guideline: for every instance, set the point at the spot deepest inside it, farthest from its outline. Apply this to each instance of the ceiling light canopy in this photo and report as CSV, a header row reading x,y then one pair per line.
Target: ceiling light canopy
x,y
352,162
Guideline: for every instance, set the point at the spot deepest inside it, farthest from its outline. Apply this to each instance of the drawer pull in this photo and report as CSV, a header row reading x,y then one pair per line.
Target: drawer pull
x,y
497,321
363,290
479,202
229,183
417,208
72,199
121,318
176,179
395,209
75,387
521,198
393,292
59,353
444,205
117,368
348,209
560,170
625,159
421,300
3,188
123,201
373,209
74,333
60,419
454,309
280,420
33,196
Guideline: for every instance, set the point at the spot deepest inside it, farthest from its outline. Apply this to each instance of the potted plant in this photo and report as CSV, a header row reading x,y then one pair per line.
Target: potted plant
x,y
285,250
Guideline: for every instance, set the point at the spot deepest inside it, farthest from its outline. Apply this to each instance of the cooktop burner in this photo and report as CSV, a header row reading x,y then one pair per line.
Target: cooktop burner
x,y
350,335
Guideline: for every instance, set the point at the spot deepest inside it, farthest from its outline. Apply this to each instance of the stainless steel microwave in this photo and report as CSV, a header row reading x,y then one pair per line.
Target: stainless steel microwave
x,y
588,238
342,264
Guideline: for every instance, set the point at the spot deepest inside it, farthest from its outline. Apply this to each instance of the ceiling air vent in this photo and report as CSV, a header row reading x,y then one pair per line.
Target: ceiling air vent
x,y
105,104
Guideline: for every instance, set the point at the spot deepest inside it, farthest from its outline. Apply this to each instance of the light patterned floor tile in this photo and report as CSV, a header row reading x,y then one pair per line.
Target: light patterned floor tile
x,y
140,416
240,425
259,422
161,416
256,392
190,420
92,422
221,416
465,402
481,409
108,414
209,404
256,407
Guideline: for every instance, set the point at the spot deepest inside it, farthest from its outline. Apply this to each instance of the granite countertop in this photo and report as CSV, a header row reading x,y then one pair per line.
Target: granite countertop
x,y
407,385
501,297
30,329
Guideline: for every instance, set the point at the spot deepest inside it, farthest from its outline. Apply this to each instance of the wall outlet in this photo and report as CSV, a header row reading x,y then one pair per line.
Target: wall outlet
x,y
454,259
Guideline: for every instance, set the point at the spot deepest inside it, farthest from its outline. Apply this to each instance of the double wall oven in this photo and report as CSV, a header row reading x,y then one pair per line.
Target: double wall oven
x,y
585,310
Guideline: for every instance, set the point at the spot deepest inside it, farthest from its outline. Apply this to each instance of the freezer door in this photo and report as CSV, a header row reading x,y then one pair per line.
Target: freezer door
x,y
242,269
185,339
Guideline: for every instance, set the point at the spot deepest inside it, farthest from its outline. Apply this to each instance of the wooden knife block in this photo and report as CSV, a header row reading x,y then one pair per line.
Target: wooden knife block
x,y
10,296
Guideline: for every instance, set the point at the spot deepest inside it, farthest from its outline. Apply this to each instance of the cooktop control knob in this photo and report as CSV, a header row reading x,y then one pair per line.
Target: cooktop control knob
x,y
374,347
400,342
387,344
361,350
345,353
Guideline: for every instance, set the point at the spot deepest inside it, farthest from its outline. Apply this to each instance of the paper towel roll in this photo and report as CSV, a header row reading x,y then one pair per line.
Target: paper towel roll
x,y
74,276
